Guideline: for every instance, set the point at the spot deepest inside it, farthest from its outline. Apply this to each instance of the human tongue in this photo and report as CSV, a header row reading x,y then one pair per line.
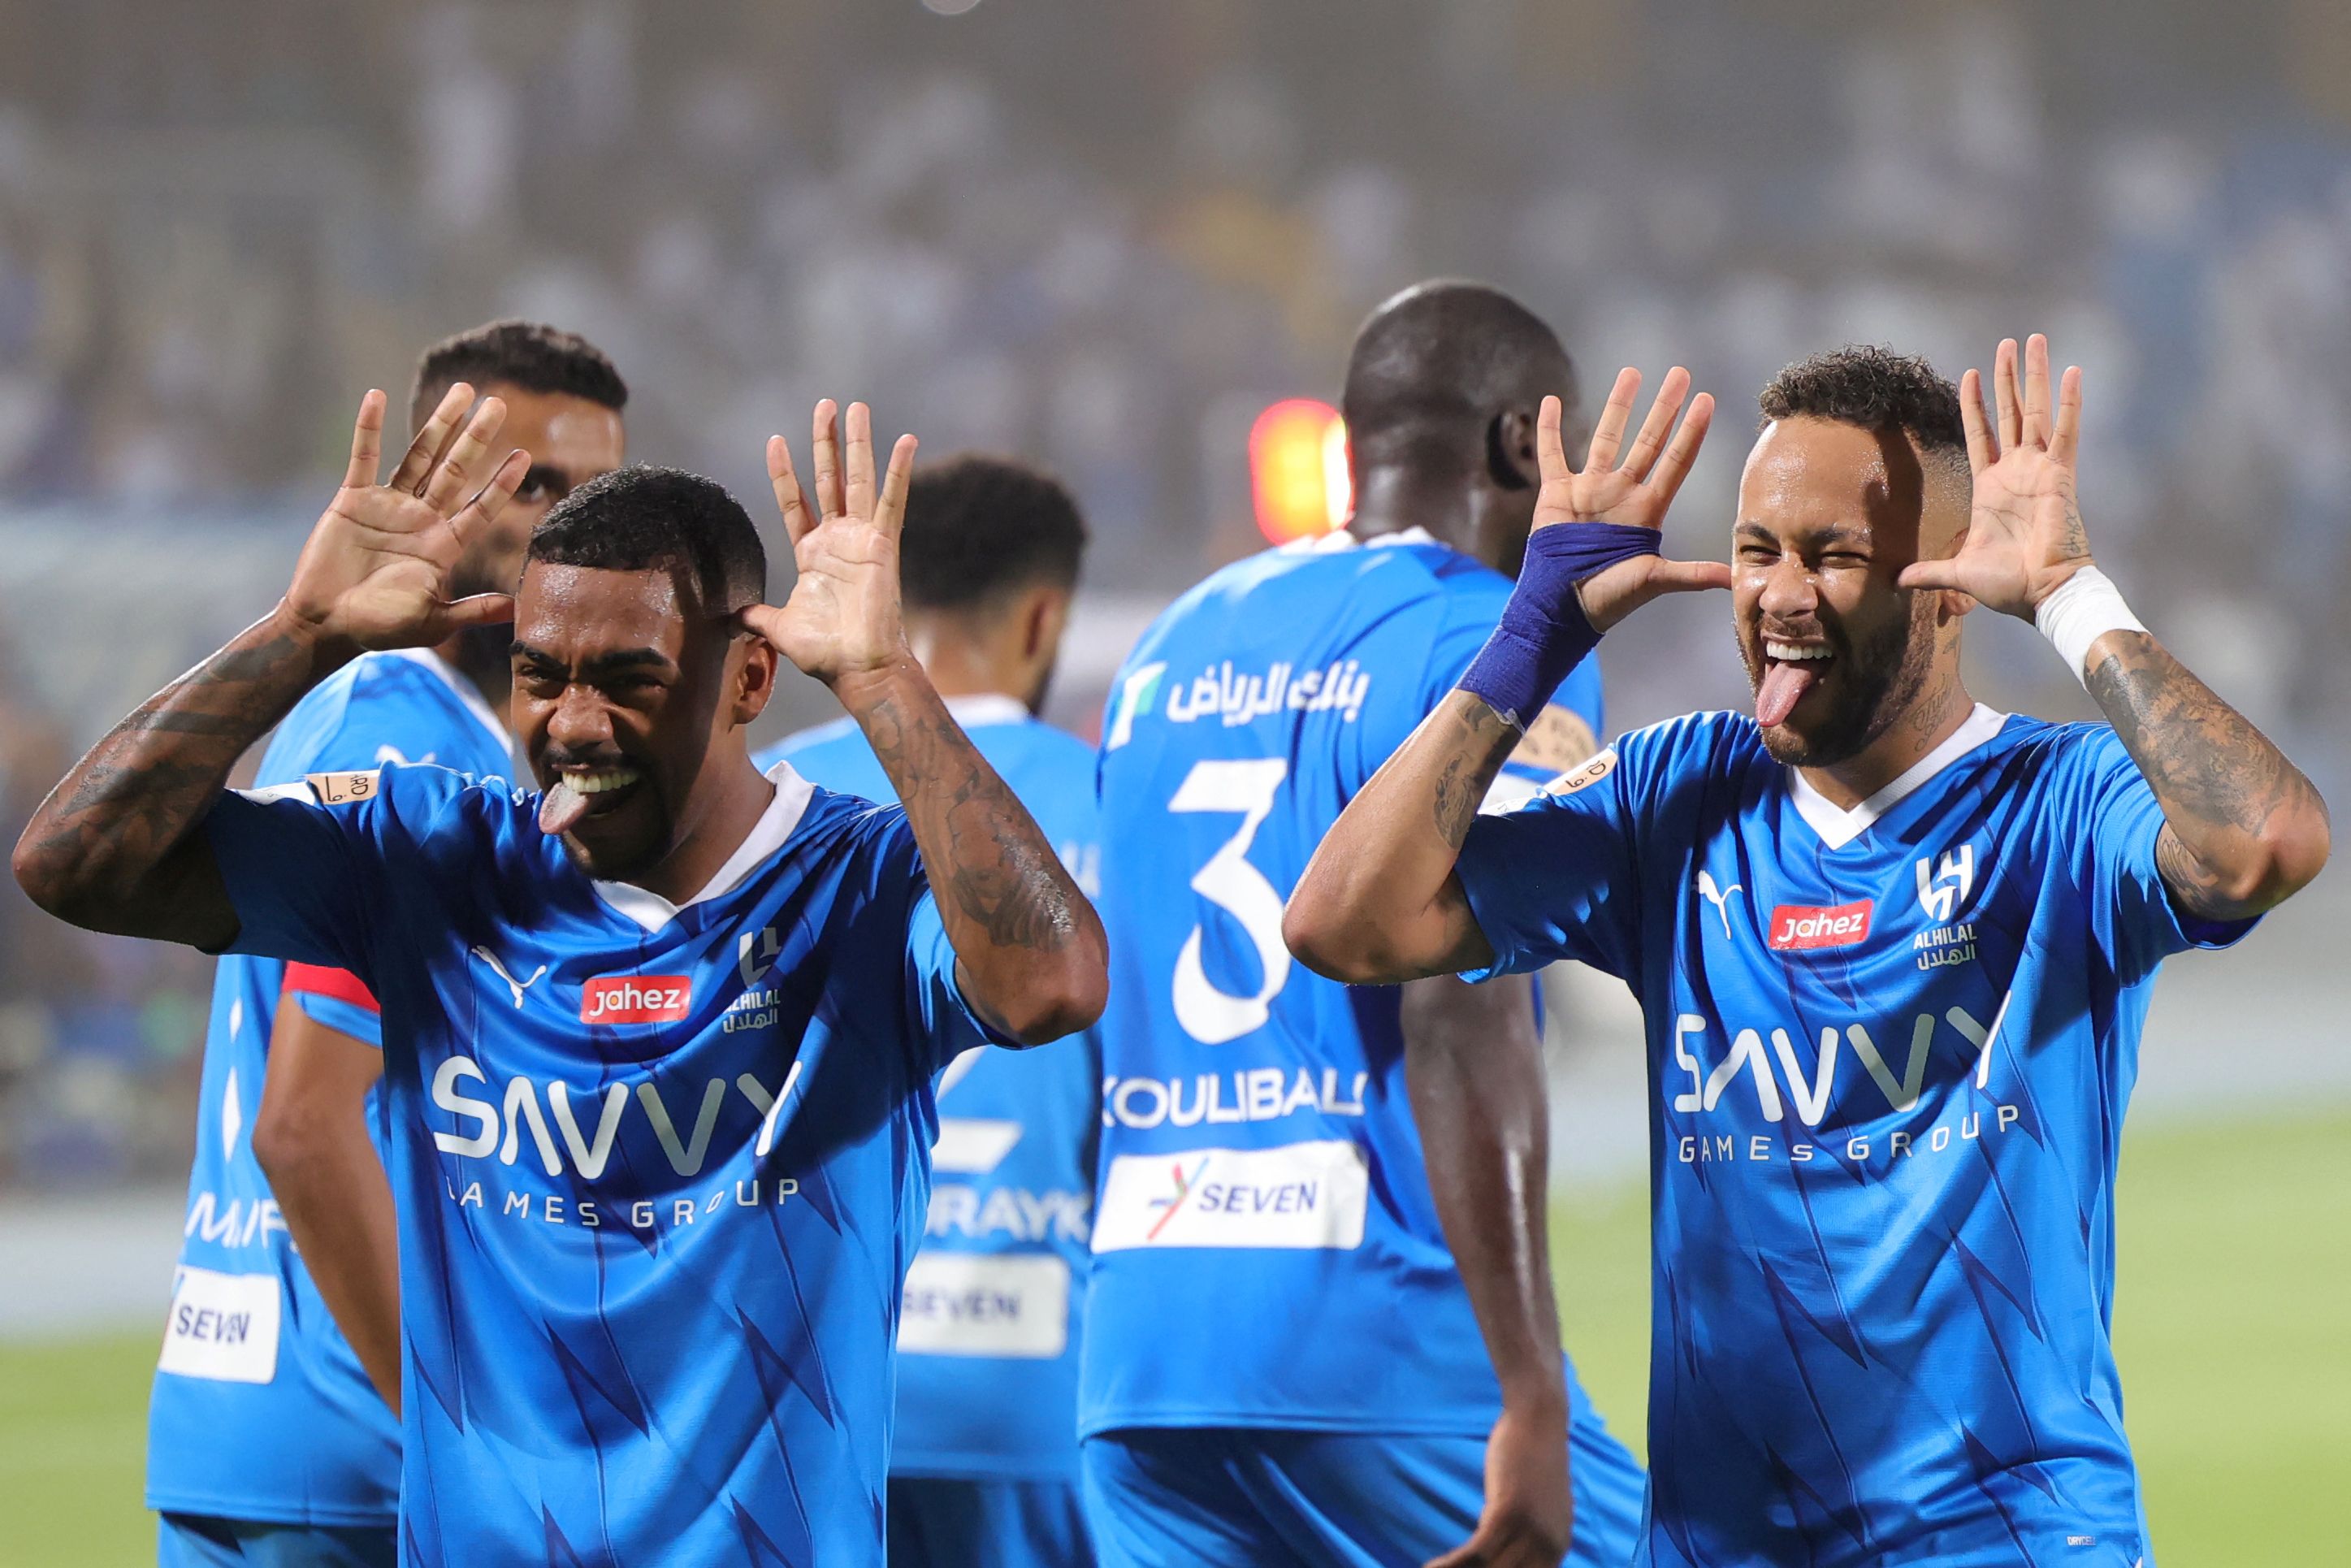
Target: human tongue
x,y
560,810
1783,687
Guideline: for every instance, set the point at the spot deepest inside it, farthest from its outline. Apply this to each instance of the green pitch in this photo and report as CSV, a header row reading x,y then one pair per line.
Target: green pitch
x,y
2234,1311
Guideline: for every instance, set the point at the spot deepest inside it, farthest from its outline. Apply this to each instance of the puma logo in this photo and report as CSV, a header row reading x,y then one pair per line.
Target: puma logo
x,y
516,987
1719,897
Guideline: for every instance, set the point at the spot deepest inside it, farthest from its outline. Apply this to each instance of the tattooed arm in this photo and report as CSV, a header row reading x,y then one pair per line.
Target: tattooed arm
x,y
112,847
1030,955
1029,950
2243,830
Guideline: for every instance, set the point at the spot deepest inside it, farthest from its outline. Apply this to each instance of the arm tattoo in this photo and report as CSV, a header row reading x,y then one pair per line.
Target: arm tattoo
x,y
1482,742
101,847
997,873
2220,781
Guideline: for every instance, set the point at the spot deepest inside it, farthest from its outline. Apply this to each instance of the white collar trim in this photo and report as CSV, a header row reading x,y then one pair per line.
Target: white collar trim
x,y
783,814
462,686
1838,827
1339,539
981,708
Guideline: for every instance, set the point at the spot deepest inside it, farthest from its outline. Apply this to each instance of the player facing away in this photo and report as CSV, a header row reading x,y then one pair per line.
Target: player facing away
x,y
984,1458
1321,1330
273,1435
1894,948
658,1040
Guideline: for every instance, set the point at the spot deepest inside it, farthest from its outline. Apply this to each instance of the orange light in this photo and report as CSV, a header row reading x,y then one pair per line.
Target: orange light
x,y
1298,470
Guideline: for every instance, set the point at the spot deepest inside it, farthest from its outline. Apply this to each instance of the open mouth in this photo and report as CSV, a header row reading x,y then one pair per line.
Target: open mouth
x,y
584,792
1789,670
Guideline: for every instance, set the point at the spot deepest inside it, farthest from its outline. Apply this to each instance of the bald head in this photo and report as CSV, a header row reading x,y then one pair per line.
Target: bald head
x,y
1435,368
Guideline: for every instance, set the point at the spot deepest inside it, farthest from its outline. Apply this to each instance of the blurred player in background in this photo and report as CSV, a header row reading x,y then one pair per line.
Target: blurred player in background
x,y
1883,1242
1323,1329
984,1456
265,1440
653,1322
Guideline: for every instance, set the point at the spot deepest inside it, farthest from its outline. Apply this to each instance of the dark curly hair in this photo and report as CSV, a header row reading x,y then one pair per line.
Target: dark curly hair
x,y
642,518
526,354
1874,389
979,526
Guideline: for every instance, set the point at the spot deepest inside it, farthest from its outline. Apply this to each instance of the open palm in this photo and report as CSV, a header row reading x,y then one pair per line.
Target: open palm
x,y
1636,492
2025,532
844,616
376,569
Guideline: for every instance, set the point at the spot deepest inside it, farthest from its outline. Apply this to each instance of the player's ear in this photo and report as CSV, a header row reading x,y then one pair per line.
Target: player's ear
x,y
750,678
1043,621
1510,450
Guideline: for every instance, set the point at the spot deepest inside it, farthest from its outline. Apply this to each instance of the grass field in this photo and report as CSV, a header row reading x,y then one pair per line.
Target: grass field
x,y
2234,1319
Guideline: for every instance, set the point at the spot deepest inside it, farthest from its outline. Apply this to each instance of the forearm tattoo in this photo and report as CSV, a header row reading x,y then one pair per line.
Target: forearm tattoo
x,y
1481,742
2218,779
134,797
997,873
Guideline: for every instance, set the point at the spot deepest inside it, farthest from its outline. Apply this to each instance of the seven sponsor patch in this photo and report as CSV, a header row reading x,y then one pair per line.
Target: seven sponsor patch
x,y
1299,1196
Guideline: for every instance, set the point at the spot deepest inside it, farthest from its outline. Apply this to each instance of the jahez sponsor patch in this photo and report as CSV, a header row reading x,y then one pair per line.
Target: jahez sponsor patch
x,y
1798,926
636,998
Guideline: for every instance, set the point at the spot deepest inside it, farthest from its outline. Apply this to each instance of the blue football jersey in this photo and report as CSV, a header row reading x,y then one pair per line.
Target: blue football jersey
x,y
260,1410
1267,1251
660,1167
1889,1052
994,1302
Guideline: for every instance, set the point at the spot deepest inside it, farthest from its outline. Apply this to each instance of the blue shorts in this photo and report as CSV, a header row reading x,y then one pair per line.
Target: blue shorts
x,y
939,1523
193,1541
1233,1498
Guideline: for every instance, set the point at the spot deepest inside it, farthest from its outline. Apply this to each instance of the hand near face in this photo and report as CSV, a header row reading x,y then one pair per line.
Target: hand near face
x,y
1636,491
377,570
844,616
2024,534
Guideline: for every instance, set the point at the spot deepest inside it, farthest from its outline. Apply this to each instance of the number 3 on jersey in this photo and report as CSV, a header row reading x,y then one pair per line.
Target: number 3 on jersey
x,y
1247,787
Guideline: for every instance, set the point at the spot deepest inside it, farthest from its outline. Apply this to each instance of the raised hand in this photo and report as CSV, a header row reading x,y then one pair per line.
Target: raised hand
x,y
1638,491
842,618
2025,532
377,568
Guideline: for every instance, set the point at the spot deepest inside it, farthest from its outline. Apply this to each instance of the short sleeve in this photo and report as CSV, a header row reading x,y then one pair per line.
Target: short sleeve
x,y
337,999
944,1023
300,873
1553,879
2133,916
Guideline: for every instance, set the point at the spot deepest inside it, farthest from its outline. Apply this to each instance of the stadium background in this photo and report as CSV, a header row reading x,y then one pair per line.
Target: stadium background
x,y
1109,237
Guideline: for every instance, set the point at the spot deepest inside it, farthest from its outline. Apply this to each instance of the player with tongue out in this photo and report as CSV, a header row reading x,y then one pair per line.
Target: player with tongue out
x,y
1894,951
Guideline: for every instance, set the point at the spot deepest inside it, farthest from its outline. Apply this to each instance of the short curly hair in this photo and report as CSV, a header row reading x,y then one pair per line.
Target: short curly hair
x,y
526,354
980,526
1874,389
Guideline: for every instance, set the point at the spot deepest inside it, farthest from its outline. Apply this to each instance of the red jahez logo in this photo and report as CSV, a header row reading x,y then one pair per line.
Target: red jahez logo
x,y
1796,926
636,998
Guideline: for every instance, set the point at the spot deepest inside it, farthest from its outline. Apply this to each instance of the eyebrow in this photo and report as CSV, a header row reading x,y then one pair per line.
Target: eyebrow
x,y
1836,534
596,663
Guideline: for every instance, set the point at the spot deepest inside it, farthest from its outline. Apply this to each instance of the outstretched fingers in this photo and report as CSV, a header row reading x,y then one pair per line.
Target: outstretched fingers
x,y
489,500
824,457
366,442
2005,395
857,491
890,513
1928,576
1651,441
798,520
1674,467
1614,414
2036,389
416,465
464,460
1983,451
2067,440
1551,449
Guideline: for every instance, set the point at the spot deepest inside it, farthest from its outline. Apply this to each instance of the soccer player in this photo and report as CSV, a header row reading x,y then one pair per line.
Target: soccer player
x,y
1322,1329
658,1040
984,1458
1894,951
266,1442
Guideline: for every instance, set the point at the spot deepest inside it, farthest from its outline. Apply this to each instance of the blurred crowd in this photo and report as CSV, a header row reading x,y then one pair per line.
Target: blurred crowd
x,y
1106,238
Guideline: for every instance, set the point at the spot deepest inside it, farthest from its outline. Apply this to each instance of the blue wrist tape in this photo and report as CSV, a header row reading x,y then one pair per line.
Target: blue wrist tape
x,y
1543,633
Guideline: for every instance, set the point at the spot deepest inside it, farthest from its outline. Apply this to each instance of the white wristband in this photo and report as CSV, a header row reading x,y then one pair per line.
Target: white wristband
x,y
2084,610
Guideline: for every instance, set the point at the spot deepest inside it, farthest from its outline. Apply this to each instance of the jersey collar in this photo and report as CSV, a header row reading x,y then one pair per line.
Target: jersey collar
x,y
652,912
983,708
462,687
1838,827
1339,539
